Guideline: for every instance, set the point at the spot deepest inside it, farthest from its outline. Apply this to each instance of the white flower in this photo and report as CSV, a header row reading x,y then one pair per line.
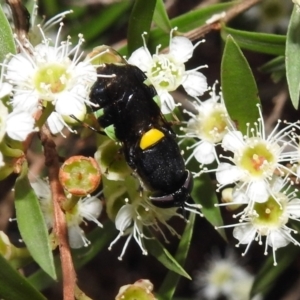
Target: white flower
x,y
47,73
255,158
209,125
132,217
167,71
269,219
19,124
223,277
88,208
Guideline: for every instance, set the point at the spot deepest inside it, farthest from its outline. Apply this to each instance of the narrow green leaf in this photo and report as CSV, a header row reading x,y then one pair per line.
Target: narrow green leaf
x,y
161,18
170,282
163,255
238,86
7,43
32,225
185,23
99,238
93,28
204,193
266,278
293,57
139,22
276,67
13,286
254,41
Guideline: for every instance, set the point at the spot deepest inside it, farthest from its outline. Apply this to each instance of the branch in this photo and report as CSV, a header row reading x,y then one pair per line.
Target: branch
x,y
229,15
60,225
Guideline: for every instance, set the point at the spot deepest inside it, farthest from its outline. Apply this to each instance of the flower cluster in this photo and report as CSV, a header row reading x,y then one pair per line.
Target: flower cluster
x,y
166,71
50,76
261,167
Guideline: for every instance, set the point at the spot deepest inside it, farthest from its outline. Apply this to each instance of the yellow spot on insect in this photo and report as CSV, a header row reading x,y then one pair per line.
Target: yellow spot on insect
x,y
150,138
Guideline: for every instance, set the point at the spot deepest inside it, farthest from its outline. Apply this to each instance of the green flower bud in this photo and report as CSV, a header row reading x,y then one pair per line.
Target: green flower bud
x,y
80,175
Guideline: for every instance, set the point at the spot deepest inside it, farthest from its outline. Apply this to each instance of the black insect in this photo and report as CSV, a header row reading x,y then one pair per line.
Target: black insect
x,y
127,111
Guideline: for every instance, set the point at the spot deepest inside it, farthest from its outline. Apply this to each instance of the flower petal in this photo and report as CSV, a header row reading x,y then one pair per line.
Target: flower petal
x,y
245,233
167,102
77,237
141,58
278,239
233,141
194,83
181,48
205,153
19,125
227,173
55,123
258,191
124,217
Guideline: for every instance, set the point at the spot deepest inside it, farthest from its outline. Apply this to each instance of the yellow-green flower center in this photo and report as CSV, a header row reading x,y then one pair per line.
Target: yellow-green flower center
x,y
221,275
52,78
258,160
213,127
270,214
164,73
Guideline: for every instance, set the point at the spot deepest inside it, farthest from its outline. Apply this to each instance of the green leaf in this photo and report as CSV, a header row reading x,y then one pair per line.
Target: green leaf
x,y
276,67
93,28
238,86
170,282
161,18
32,225
99,238
266,277
163,255
13,286
293,57
204,193
185,23
139,22
7,43
254,41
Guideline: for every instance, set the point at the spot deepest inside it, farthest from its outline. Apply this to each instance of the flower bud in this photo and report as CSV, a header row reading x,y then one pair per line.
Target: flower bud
x,y
141,289
80,175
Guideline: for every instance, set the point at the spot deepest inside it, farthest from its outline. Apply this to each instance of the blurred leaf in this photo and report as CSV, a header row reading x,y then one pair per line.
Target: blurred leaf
x,y
254,41
139,22
267,275
185,23
170,282
52,7
161,18
204,193
163,255
7,44
99,239
32,225
13,286
95,26
238,86
293,57
276,67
